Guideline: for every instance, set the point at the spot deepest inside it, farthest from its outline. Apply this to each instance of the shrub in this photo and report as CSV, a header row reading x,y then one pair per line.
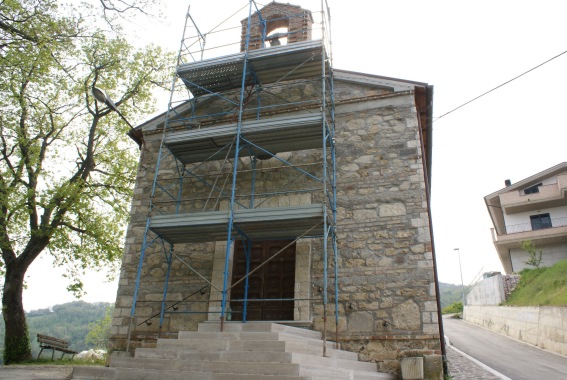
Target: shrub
x,y
455,307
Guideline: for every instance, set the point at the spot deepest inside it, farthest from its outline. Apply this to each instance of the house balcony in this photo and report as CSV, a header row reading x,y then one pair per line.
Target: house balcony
x,y
549,196
556,233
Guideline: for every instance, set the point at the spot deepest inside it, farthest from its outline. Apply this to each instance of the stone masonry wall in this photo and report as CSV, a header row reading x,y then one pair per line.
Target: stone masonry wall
x,y
388,304
510,283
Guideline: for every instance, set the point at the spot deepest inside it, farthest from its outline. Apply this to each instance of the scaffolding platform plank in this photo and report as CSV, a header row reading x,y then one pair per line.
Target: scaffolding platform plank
x,y
257,224
269,65
284,134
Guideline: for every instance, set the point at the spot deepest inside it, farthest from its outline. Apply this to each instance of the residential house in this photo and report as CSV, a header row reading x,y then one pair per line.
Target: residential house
x,y
533,209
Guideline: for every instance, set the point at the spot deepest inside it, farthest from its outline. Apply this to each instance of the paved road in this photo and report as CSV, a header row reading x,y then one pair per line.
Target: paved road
x,y
514,359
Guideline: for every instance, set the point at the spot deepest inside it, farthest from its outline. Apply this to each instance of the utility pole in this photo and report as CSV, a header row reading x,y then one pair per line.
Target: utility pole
x,y
462,283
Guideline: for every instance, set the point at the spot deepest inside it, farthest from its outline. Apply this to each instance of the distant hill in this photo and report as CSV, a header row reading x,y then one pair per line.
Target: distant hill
x,y
450,293
67,321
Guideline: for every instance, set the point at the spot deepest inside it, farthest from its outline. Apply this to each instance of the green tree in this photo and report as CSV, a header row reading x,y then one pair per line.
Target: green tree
x,y
535,256
454,308
99,331
67,167
451,293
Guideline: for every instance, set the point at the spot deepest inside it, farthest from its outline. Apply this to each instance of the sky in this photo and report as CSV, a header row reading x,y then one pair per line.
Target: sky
x,y
463,49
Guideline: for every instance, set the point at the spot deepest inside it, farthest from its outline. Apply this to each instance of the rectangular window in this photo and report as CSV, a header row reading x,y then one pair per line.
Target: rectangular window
x,y
540,221
532,189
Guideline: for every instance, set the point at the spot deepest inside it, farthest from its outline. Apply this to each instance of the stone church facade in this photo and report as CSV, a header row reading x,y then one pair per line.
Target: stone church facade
x,y
387,300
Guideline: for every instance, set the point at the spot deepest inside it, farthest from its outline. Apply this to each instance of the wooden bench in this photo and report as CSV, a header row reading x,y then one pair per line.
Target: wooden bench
x,y
54,344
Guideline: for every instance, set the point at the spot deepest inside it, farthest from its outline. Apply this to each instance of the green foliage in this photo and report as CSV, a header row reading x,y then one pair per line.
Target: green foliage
x,y
541,287
71,321
99,331
454,308
451,293
535,257
67,166
15,349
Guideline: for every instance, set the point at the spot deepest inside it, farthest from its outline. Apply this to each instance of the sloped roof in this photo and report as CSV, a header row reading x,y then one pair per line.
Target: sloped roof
x,y
531,180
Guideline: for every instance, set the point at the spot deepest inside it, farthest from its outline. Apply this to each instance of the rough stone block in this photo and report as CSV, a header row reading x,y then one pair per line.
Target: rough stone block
x,y
406,316
392,209
430,306
412,368
433,367
365,215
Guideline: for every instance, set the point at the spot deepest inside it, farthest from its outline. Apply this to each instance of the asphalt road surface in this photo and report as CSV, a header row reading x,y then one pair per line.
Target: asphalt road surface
x,y
513,359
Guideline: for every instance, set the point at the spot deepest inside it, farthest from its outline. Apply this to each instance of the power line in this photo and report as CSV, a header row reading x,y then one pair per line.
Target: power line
x,y
503,84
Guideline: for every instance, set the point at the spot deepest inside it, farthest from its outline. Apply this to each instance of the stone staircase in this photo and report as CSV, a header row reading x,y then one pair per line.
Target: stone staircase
x,y
251,351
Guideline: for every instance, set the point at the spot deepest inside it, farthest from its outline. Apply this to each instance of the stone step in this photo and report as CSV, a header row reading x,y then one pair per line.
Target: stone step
x,y
168,348
308,341
310,349
212,345
184,353
256,326
104,373
236,335
234,376
238,356
257,336
324,373
253,368
254,351
359,375
304,359
260,356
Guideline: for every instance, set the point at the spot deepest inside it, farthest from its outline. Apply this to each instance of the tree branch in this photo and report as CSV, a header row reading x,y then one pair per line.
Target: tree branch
x,y
109,5
12,30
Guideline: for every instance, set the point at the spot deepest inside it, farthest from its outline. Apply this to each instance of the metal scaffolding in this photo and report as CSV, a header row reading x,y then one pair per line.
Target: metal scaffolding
x,y
208,185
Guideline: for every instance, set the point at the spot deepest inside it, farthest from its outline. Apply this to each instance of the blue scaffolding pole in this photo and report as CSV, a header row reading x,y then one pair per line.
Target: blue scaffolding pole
x,y
234,173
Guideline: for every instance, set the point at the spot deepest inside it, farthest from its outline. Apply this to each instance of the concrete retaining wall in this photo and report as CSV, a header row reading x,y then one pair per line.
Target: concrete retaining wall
x,y
489,291
542,326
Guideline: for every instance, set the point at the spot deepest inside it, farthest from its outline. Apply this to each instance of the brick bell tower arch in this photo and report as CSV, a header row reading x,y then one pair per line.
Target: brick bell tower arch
x,y
296,21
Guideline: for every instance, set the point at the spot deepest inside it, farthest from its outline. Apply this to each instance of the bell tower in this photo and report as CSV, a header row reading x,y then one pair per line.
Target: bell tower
x,y
277,24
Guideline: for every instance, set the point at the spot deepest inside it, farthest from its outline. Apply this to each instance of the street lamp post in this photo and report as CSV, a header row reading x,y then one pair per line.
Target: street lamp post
x,y
462,283
101,97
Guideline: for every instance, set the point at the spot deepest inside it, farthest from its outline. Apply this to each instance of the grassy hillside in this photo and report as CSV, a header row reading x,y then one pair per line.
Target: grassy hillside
x,y
541,287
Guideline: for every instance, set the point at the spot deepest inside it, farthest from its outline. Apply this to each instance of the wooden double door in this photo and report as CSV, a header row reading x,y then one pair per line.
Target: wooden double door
x,y
270,284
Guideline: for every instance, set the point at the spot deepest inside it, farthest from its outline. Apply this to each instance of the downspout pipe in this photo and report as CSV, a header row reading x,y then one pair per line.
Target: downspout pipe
x,y
426,174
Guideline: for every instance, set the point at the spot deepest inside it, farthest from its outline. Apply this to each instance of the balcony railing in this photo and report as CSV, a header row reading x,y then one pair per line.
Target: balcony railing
x,y
524,227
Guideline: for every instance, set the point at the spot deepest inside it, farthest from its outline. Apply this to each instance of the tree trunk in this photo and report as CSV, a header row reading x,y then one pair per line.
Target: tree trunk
x,y
16,343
